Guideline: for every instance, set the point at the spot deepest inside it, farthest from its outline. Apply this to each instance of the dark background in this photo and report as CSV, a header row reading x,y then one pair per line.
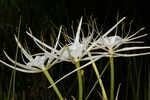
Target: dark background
x,y
42,15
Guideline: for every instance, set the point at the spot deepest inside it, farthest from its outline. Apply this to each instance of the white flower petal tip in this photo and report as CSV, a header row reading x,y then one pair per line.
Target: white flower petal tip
x,y
19,69
78,31
111,29
29,57
38,42
143,28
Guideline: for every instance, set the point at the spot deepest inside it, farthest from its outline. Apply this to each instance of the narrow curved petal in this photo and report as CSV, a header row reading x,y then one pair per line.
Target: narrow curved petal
x,y
78,31
23,50
136,42
57,55
131,48
57,42
18,64
48,66
132,55
136,32
89,58
20,69
130,39
42,43
114,27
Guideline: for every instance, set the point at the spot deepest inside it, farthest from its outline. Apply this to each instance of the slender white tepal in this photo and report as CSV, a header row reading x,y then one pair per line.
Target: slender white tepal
x,y
78,31
114,26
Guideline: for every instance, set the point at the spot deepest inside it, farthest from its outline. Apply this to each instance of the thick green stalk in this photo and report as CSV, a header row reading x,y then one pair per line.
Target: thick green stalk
x,y
111,78
77,64
48,76
99,79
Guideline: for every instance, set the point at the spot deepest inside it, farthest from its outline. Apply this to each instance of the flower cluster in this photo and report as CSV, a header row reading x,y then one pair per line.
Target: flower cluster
x,y
111,44
77,49
72,52
107,45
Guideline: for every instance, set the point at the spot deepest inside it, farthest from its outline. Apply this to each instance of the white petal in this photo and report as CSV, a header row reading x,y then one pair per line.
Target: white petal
x,y
42,43
58,54
78,31
130,39
19,69
37,61
57,42
132,48
29,57
136,33
113,27
132,55
89,58
18,64
49,65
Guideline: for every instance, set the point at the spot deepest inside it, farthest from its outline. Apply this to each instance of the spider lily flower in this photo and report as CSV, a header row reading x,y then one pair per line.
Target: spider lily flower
x,y
97,41
111,44
74,51
36,63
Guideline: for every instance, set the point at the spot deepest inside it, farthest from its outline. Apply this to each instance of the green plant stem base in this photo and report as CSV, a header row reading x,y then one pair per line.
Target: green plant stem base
x,y
46,73
111,78
77,64
99,79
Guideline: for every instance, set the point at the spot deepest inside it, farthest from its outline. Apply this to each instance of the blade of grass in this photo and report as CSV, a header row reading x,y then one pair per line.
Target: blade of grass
x,y
99,78
13,75
97,81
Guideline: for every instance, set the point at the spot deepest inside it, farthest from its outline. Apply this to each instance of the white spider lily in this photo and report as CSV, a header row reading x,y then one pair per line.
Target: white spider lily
x,y
111,44
88,49
100,40
115,41
36,63
74,51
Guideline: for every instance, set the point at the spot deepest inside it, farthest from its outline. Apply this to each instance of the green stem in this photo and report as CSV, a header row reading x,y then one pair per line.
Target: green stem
x,y
48,76
77,64
111,78
99,79
12,81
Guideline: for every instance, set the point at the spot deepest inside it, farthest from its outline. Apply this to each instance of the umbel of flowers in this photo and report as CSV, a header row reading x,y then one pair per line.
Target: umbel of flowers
x,y
79,48
74,51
